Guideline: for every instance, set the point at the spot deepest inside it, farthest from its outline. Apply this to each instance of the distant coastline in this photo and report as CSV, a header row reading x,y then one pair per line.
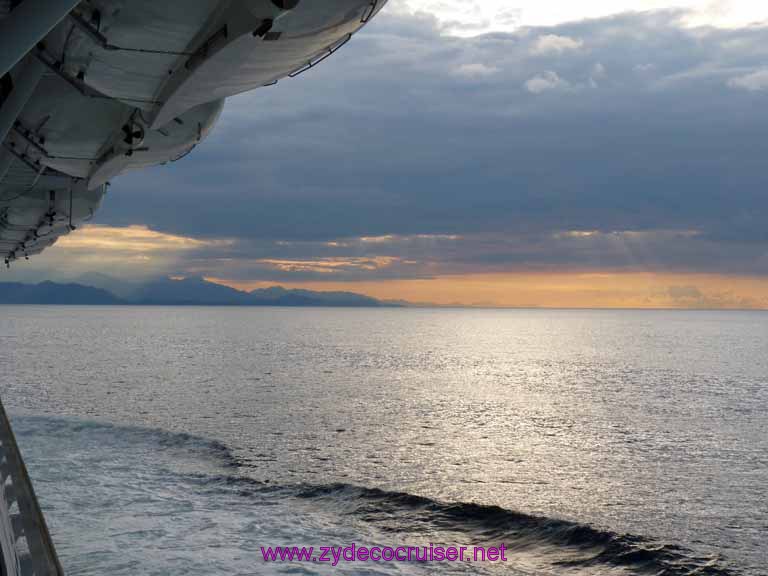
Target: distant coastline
x,y
186,292
99,290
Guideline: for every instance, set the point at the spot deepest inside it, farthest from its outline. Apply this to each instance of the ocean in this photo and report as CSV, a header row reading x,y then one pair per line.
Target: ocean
x,y
176,441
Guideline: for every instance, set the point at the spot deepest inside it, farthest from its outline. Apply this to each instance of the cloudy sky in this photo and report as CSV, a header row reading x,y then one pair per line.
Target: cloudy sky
x,y
505,152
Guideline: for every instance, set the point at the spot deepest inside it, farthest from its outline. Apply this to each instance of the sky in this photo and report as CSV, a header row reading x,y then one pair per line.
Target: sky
x,y
472,17
495,153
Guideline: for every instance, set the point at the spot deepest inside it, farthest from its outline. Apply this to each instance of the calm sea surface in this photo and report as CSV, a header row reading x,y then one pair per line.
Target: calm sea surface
x,y
181,440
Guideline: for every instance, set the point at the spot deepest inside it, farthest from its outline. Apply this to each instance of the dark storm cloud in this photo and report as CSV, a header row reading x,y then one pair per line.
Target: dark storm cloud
x,y
634,127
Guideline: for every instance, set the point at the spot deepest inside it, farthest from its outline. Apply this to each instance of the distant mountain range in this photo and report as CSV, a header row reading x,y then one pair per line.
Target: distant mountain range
x,y
186,292
53,293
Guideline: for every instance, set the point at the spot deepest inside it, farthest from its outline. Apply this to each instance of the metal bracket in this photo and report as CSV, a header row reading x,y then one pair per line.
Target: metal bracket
x,y
30,162
34,140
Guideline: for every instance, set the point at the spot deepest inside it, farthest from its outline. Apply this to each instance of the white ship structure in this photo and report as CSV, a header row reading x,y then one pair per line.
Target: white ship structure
x,y
91,89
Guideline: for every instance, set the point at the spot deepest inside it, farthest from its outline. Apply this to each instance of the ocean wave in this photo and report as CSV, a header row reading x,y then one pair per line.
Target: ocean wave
x,y
558,545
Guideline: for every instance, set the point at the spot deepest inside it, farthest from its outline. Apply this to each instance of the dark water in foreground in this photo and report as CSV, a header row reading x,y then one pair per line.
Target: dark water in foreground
x,y
179,441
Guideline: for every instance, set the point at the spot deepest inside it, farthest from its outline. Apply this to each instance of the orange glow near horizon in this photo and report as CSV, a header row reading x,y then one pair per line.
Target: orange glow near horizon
x,y
557,290
138,251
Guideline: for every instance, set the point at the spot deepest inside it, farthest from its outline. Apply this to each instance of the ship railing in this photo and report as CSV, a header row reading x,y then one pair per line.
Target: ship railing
x,y
26,548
